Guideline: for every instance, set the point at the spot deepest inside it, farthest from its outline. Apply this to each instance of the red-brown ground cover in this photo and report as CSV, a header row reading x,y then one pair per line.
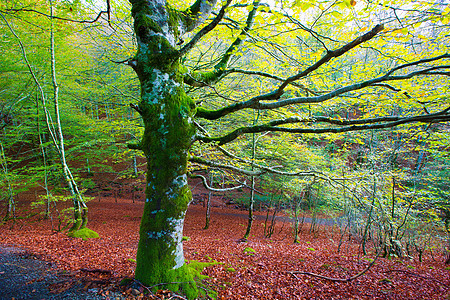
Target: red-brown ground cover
x,y
264,275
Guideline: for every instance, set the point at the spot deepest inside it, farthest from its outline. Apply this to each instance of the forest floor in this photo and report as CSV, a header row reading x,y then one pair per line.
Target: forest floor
x,y
95,267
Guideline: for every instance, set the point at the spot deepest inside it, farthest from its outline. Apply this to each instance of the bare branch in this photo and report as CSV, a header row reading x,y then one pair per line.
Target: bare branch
x,y
388,86
348,125
338,279
271,76
256,104
205,184
418,275
202,161
204,30
268,169
107,12
276,94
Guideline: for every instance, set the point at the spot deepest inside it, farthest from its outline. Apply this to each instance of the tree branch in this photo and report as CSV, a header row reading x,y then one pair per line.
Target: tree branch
x,y
220,70
197,14
268,169
107,12
204,30
263,169
202,161
197,83
256,104
337,279
205,184
348,125
276,94
420,276
239,40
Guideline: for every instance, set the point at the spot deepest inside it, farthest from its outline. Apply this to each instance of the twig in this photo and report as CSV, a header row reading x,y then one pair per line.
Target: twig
x,y
173,296
96,271
145,287
418,275
337,279
107,11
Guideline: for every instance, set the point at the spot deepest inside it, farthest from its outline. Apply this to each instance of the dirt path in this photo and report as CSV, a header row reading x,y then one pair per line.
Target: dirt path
x,y
25,276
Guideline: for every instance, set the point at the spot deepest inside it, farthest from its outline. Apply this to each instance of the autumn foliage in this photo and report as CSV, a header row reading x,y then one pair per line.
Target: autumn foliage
x,y
268,272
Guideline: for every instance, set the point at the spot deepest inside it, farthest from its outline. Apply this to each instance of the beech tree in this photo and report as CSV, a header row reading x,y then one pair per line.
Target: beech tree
x,y
169,114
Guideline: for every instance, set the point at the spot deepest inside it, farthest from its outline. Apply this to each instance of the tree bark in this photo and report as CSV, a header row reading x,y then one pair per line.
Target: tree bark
x,y
80,208
167,113
208,203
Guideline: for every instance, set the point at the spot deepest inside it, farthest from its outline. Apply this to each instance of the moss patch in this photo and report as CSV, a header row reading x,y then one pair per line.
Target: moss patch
x,y
196,268
84,233
249,251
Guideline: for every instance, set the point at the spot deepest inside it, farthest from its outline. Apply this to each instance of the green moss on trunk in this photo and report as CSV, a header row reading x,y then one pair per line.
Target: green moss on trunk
x,y
169,132
77,221
167,113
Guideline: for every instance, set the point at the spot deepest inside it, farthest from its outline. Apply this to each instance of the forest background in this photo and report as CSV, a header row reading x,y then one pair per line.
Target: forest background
x,y
359,131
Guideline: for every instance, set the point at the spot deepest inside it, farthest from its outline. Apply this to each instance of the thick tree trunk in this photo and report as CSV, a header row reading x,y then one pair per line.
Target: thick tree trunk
x,y
167,113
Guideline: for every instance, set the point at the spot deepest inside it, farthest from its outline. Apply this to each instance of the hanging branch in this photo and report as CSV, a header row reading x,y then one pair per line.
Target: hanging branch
x,y
107,12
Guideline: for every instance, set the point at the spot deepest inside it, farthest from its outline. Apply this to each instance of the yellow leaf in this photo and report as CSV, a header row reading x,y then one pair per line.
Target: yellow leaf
x,y
446,10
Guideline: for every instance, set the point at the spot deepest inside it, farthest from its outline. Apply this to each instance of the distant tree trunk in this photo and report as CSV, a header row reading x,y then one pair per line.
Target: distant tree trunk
x,y
11,205
447,228
297,226
252,190
208,203
135,170
44,160
250,208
